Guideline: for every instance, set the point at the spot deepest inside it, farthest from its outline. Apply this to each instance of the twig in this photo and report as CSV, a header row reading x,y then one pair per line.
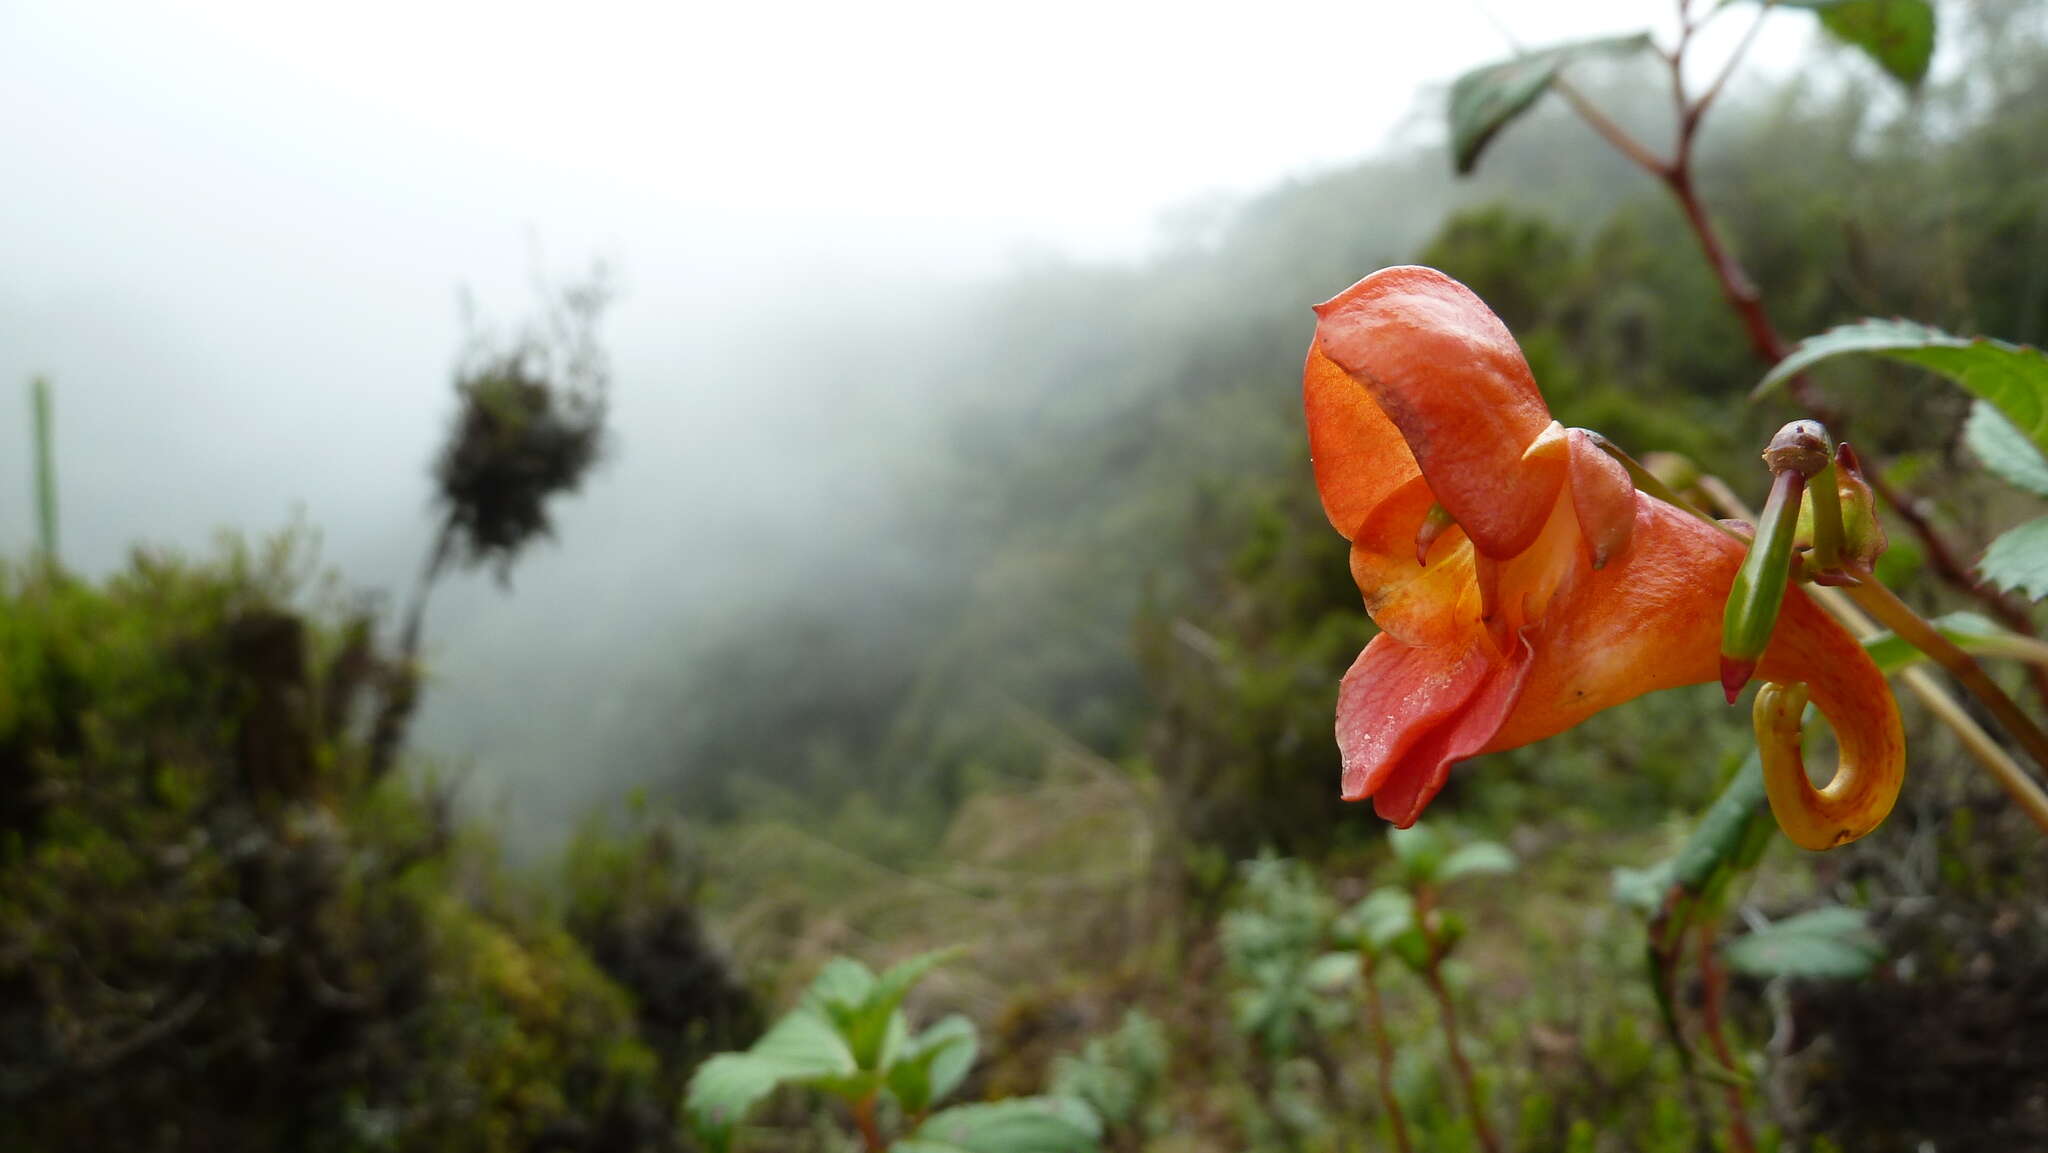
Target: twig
x,y
1383,1048
1714,983
1742,296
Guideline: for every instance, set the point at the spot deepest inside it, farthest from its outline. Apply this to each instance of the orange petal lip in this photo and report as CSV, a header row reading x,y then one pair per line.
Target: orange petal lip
x,y
1445,371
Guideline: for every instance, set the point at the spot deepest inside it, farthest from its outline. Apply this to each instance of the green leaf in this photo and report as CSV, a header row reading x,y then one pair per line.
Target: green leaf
x,y
1643,889
1970,632
1020,1125
1723,837
2010,376
1331,971
1382,916
1476,859
1830,942
2018,560
2005,450
1897,34
862,1006
1488,99
933,1063
843,981
1419,850
801,1048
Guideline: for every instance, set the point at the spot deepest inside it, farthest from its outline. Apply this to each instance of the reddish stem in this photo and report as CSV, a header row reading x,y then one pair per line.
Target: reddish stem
x,y
864,1119
1715,982
1742,296
1383,1045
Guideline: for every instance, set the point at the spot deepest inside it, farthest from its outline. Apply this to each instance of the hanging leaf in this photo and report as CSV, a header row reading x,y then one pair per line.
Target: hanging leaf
x,y
1486,100
2013,377
1897,34
1476,859
1829,942
933,1064
802,1048
2018,560
2005,450
1021,1125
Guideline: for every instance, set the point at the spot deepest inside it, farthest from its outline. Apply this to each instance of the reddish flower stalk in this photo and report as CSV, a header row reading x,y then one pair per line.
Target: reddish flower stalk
x,y
1383,1049
1714,985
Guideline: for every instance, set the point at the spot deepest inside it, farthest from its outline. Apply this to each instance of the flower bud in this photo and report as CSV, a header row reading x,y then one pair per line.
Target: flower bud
x,y
1802,447
1759,588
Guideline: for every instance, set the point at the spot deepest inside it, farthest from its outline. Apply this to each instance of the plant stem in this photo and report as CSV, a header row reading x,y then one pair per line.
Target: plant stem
x,y
864,1118
46,473
1434,977
1714,984
1383,1048
1743,297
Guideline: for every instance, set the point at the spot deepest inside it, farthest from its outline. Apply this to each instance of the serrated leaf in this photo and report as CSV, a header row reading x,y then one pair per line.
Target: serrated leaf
x,y
2005,450
801,1048
933,1063
1831,942
1476,859
1897,34
2010,376
2018,560
1488,99
1021,1125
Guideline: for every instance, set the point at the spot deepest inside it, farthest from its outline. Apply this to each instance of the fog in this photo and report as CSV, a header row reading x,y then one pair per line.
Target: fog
x,y
238,235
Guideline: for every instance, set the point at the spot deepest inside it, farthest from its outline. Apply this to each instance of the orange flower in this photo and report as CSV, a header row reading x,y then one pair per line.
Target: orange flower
x,y
1520,582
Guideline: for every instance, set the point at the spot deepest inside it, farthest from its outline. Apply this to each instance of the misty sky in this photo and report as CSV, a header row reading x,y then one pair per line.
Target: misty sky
x,y
236,230
235,234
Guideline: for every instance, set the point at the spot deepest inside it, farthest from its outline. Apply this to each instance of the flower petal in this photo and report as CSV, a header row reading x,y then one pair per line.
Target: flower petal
x,y
1603,498
1359,456
1436,604
1447,373
1406,713
1652,620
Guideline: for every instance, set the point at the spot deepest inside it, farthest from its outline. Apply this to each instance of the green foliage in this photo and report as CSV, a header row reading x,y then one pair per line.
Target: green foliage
x,y
933,1063
848,1038
1897,34
2018,560
1488,99
1272,943
215,926
1825,942
1016,1126
1120,1076
2012,377
2005,450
